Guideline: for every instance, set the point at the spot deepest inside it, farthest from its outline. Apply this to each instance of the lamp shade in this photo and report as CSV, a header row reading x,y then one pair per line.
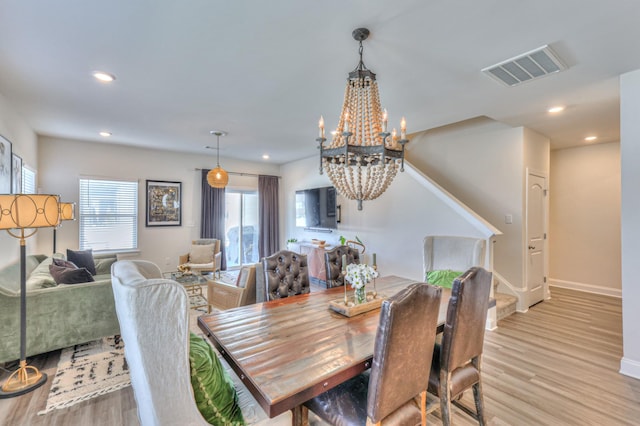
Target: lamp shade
x,y
217,177
19,211
67,211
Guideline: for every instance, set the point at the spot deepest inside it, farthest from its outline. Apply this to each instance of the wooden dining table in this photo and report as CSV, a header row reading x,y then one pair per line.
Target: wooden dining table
x,y
290,350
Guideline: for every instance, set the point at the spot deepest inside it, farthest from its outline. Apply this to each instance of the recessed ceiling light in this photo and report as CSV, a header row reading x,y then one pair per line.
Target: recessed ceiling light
x,y
265,156
104,77
555,109
105,134
590,138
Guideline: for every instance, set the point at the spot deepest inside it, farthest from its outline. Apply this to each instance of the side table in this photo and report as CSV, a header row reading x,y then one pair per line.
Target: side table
x,y
193,284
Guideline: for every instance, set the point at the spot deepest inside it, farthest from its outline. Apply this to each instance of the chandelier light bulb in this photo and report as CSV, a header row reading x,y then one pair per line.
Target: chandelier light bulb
x,y
385,121
321,127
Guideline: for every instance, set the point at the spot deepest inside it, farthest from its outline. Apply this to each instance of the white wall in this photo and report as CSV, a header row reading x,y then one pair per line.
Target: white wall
x,y
392,226
630,225
584,228
62,162
24,144
481,162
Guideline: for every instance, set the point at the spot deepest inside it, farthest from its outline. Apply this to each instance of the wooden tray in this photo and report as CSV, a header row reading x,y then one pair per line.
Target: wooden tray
x,y
353,309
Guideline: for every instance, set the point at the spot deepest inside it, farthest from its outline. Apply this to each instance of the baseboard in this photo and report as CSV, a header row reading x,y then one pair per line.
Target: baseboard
x,y
630,368
588,288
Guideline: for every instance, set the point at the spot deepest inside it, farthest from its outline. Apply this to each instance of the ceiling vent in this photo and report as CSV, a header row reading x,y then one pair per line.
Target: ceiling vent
x,y
529,66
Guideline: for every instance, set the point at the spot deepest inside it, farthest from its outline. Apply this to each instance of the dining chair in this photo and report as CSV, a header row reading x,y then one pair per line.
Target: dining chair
x,y
456,361
285,274
333,263
393,391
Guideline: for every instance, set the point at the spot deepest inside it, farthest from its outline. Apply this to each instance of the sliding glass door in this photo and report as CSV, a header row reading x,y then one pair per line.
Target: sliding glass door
x,y
241,228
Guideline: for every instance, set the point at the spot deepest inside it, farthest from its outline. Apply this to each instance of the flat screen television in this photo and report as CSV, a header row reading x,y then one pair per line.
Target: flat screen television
x,y
316,208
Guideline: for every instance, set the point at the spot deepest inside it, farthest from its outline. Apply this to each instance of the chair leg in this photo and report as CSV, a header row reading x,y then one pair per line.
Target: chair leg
x,y
445,398
477,396
423,407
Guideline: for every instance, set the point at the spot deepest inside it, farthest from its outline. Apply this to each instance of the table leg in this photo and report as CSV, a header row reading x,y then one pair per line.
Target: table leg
x,y
300,416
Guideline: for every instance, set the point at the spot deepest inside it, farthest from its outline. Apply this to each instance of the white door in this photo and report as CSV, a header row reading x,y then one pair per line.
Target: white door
x,y
536,236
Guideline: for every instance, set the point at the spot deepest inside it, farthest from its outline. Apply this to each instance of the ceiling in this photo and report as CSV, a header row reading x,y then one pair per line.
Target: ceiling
x,y
265,71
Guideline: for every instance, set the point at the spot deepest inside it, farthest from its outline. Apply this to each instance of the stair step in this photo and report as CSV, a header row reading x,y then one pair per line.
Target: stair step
x,y
505,305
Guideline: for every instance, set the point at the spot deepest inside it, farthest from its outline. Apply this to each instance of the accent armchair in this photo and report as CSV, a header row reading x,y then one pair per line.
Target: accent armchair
x,y
204,256
231,295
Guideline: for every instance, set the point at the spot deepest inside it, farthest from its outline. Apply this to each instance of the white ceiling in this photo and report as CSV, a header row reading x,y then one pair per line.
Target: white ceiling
x,y
266,70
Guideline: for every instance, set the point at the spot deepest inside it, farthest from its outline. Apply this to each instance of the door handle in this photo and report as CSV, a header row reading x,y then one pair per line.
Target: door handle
x,y
532,247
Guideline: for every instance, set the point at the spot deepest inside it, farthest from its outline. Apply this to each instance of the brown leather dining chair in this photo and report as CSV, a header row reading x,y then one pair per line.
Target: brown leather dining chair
x,y
393,391
456,362
333,263
285,274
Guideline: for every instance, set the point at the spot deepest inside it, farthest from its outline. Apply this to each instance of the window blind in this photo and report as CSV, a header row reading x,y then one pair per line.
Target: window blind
x,y
108,213
28,181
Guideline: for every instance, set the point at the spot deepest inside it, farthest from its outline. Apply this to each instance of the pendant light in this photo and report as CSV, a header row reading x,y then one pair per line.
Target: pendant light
x,y
217,177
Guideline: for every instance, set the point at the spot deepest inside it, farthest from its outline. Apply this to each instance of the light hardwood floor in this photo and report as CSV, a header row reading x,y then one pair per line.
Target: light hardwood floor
x,y
555,365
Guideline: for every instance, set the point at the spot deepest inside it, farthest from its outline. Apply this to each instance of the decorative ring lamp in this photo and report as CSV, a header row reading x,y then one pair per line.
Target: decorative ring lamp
x,y
26,212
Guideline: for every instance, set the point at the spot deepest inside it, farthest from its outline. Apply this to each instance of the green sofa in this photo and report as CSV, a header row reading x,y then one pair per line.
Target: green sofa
x,y
58,316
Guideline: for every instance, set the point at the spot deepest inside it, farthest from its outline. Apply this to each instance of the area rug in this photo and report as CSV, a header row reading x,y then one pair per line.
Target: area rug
x,y
96,368
86,371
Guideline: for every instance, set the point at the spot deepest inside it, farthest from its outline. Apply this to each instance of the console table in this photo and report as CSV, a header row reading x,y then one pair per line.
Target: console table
x,y
315,261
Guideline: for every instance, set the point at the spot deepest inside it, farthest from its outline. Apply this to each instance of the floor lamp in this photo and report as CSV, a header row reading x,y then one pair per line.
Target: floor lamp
x,y
67,212
20,213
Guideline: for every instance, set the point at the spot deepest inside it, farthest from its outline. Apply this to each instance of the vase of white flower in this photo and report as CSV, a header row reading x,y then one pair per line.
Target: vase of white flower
x,y
358,275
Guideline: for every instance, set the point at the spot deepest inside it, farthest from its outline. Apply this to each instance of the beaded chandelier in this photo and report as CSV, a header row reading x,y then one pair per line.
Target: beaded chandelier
x,y
362,158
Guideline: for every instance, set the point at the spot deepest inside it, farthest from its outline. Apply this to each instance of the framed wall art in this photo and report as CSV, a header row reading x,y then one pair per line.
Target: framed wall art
x,y
5,166
164,203
16,174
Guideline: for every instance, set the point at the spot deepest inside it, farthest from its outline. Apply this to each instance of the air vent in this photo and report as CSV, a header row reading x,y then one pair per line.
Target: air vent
x,y
527,67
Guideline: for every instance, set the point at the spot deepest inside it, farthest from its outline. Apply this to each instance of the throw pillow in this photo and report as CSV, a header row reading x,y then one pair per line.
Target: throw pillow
x,y
201,253
64,263
64,275
212,387
83,259
442,278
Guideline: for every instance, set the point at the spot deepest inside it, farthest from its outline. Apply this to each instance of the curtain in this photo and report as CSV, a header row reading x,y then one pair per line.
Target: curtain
x,y
212,219
268,208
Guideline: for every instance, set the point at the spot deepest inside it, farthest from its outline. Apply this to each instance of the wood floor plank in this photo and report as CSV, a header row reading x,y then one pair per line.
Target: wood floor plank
x,y
555,365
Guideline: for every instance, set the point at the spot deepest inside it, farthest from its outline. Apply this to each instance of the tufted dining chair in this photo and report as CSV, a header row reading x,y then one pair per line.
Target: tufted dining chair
x,y
285,274
393,391
456,363
333,263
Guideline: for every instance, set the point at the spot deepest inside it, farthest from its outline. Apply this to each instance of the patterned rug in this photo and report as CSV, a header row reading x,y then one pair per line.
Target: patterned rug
x,y
96,368
86,371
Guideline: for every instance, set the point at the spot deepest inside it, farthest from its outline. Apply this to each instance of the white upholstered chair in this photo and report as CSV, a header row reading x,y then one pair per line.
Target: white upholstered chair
x,y
200,259
452,253
154,322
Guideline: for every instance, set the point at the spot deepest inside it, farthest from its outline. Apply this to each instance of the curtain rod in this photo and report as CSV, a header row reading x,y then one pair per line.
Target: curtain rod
x,y
242,173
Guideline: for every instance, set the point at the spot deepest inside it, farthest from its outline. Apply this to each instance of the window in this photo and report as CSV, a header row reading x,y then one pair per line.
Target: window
x,y
28,180
108,214
241,227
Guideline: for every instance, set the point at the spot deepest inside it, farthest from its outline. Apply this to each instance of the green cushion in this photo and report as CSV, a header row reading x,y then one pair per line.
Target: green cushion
x,y
442,278
212,387
41,277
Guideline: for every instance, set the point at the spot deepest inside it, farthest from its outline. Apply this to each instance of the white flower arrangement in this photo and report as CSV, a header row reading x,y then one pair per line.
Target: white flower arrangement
x,y
358,275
